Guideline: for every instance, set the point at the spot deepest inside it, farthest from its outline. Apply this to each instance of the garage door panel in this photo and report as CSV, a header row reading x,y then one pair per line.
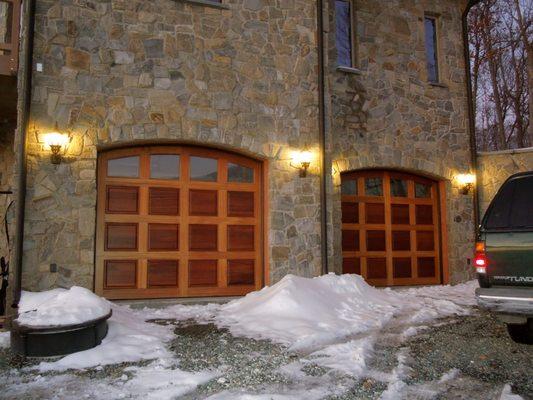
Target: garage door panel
x,y
164,201
203,273
121,236
163,273
241,204
241,272
203,202
241,237
163,237
397,227
203,237
178,221
121,273
122,200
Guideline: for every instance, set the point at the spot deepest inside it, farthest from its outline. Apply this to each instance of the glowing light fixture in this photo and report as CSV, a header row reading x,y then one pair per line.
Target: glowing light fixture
x,y
466,182
302,161
56,142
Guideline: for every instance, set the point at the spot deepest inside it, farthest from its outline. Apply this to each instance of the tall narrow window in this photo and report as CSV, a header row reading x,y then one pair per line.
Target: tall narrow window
x,y
430,25
344,35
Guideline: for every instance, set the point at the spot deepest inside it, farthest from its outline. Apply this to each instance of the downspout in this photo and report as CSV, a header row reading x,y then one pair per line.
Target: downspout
x,y
470,101
20,201
322,134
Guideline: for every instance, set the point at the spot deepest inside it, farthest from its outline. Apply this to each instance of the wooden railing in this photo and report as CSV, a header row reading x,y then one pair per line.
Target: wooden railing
x,y
9,36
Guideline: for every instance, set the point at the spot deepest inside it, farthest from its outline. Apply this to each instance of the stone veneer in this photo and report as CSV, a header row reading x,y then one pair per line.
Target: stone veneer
x,y
495,167
124,71
387,115
243,78
7,159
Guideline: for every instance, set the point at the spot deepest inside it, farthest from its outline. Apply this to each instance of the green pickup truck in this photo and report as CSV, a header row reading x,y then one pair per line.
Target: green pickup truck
x,y
504,257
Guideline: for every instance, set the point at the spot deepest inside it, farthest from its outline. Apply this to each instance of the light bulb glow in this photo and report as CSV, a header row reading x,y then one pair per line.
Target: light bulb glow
x,y
55,139
466,179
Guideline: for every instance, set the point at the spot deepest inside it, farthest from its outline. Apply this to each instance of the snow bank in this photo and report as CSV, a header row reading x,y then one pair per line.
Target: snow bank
x,y
304,313
307,313
130,339
61,307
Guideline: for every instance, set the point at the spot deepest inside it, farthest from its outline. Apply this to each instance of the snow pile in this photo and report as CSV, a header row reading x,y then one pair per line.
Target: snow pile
x,y
129,339
60,307
306,313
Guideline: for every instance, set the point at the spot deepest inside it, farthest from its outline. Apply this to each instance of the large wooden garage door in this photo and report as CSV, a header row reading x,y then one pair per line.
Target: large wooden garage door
x,y
178,222
390,228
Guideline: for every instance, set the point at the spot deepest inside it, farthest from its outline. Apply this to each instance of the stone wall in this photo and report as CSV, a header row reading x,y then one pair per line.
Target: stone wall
x,y
121,72
7,159
495,167
241,77
385,114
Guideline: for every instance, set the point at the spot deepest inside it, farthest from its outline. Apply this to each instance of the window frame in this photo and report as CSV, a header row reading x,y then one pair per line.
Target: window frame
x,y
353,37
436,44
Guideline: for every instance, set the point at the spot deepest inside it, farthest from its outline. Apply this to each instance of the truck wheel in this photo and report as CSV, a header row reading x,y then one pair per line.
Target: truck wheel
x,y
483,280
520,333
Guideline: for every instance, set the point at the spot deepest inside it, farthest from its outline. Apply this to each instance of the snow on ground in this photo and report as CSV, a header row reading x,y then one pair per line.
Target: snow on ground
x,y
313,394
302,313
61,307
307,313
129,339
507,394
333,320
162,380
349,358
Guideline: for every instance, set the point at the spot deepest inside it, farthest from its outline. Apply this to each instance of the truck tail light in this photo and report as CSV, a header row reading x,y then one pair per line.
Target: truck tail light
x,y
480,258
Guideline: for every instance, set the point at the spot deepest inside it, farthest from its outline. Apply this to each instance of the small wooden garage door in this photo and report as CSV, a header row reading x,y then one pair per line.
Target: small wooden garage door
x,y
390,228
178,222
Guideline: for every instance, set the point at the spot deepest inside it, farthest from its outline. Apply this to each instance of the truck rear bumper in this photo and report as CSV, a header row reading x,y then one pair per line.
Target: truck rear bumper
x,y
510,301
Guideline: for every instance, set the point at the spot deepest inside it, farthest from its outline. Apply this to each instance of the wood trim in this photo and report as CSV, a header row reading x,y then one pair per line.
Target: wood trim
x,y
444,233
183,255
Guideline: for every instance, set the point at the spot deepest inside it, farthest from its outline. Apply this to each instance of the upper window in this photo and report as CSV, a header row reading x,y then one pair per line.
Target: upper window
x,y
344,34
430,26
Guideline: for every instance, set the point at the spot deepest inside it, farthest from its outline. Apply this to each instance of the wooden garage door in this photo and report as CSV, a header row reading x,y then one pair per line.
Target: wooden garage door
x,y
178,222
390,228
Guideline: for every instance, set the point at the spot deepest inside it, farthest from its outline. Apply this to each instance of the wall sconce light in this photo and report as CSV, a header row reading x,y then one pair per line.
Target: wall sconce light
x,y
56,142
301,160
466,182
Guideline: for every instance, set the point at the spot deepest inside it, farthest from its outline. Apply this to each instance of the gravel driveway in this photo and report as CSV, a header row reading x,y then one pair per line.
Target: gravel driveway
x,y
459,358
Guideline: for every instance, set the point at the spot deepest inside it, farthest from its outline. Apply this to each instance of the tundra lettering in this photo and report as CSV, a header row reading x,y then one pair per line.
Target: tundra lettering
x,y
515,279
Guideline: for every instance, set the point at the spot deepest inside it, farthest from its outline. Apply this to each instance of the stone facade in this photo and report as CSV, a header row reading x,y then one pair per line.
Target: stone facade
x,y
7,160
241,77
119,72
495,167
387,115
